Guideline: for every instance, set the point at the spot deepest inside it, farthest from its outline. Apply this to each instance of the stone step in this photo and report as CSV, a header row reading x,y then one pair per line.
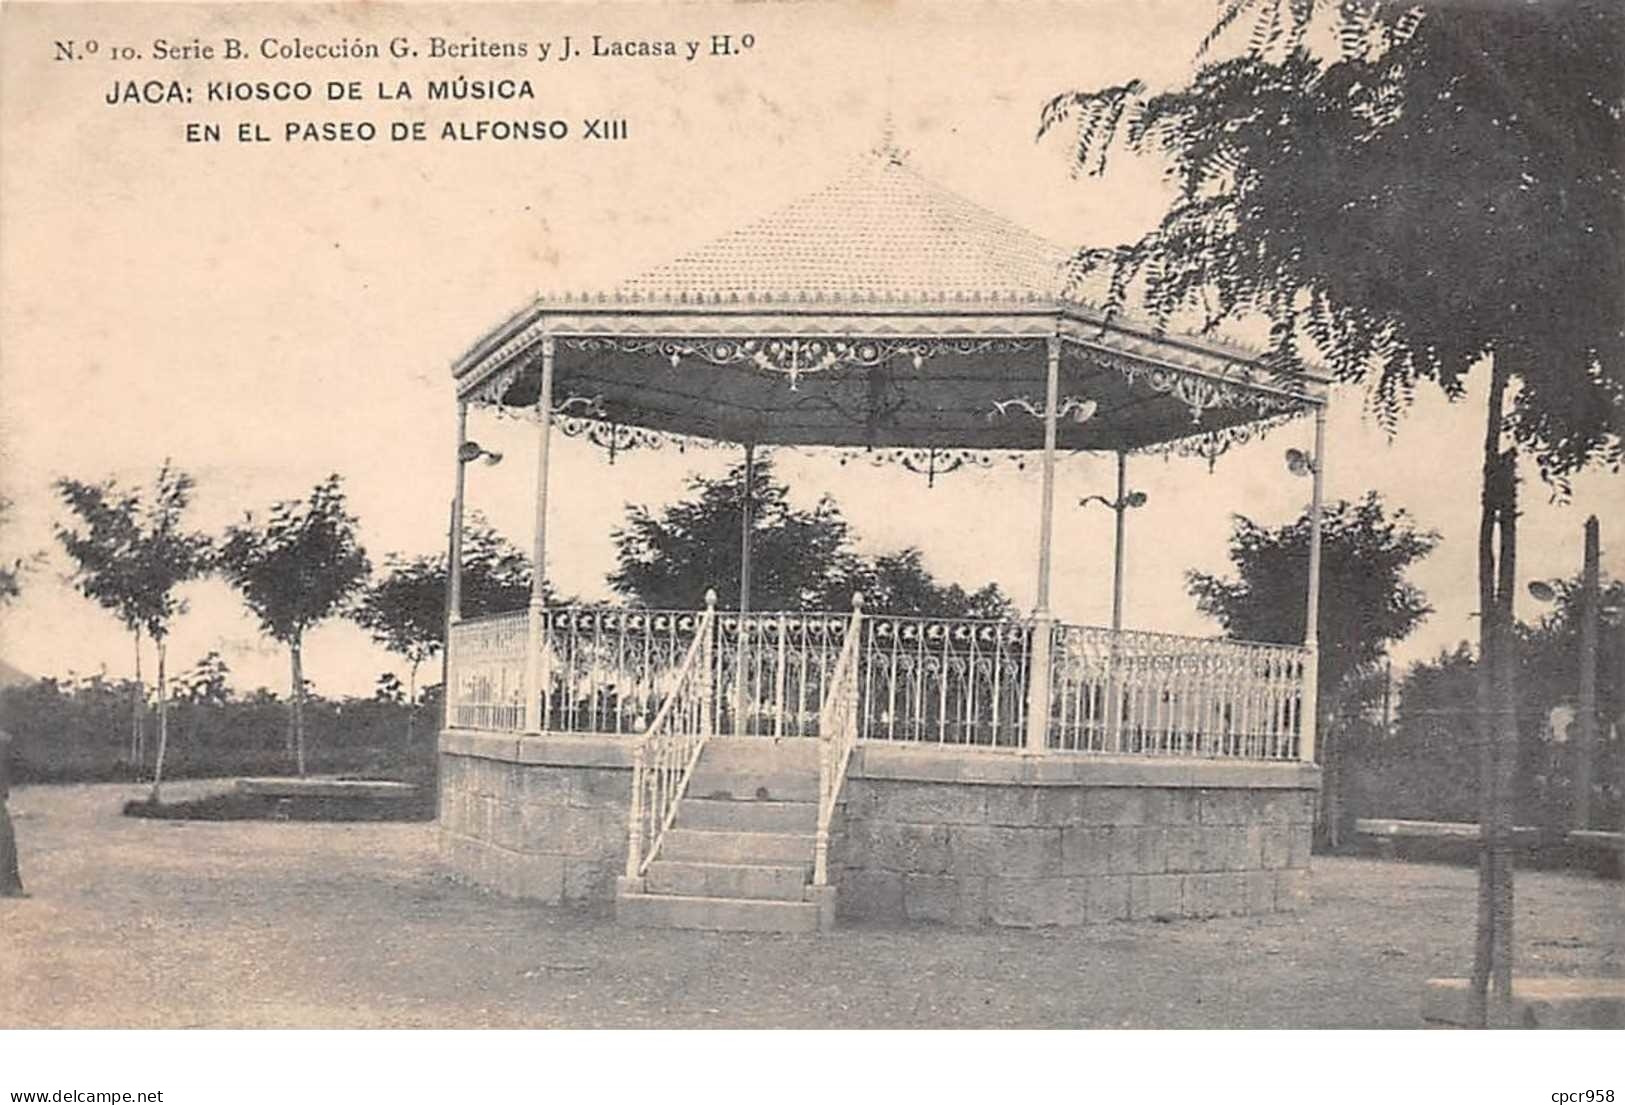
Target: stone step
x,y
782,882
715,914
748,815
763,755
722,846
709,782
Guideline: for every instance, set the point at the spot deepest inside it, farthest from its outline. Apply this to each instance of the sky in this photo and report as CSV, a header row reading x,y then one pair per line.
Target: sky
x,y
265,314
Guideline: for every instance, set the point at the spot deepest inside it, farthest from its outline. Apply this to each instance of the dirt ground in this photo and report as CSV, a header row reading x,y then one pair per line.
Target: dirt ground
x,y
164,924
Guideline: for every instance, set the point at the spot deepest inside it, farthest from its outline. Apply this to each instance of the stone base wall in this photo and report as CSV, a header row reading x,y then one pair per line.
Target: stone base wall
x,y
1026,842
541,818
924,835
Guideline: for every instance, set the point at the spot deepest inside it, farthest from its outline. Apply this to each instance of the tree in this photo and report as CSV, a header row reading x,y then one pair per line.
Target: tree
x,y
131,553
669,560
1447,188
294,571
899,584
104,551
405,611
13,568
1366,603
496,573
207,683
1551,660
801,559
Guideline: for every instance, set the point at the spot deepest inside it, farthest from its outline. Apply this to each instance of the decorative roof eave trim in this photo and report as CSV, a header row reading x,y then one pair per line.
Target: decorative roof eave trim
x,y
486,370
1219,359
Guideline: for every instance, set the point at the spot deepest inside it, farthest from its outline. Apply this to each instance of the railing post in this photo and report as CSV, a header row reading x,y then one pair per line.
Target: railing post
x,y
708,659
531,717
779,676
1309,710
1038,683
634,824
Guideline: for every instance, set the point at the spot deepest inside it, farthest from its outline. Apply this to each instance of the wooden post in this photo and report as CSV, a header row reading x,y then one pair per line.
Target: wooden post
x,y
1038,688
1585,743
532,688
1310,721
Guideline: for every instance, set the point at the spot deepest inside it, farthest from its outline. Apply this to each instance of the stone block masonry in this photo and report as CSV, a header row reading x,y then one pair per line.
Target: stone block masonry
x,y
924,835
540,818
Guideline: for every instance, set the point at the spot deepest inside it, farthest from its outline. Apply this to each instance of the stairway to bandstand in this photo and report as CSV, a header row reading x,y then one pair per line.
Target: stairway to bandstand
x,y
739,856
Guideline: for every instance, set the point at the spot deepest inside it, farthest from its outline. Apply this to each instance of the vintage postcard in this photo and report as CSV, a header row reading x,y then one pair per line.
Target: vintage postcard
x,y
1091,515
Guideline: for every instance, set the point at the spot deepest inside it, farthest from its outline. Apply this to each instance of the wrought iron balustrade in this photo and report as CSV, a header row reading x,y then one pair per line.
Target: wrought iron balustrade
x,y
773,671
837,736
670,748
487,671
607,669
1160,694
944,680
915,680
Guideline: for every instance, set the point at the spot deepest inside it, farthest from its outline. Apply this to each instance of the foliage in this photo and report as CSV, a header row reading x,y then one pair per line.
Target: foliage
x,y
301,566
405,610
1366,603
389,688
899,584
1423,770
1448,185
208,681
496,573
670,560
294,571
13,568
800,559
130,553
129,550
69,731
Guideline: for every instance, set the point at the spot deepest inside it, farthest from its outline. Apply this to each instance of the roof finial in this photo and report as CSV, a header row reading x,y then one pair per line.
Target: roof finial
x,y
887,148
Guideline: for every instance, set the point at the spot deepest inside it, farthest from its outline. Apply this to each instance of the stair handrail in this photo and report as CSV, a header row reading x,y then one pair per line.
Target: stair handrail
x,y
663,759
837,735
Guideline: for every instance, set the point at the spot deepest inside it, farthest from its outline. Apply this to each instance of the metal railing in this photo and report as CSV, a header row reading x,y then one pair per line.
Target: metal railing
x,y
1159,694
665,756
837,736
607,669
939,681
944,681
773,671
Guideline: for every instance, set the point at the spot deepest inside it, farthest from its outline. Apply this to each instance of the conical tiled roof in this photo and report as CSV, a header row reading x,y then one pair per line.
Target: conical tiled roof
x,y
880,231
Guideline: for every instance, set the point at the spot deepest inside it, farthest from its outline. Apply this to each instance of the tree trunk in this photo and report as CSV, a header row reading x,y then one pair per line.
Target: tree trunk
x,y
1488,649
138,714
1506,742
163,722
294,683
298,706
412,702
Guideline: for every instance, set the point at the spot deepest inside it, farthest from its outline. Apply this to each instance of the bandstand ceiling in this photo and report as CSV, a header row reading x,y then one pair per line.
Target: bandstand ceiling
x,y
882,311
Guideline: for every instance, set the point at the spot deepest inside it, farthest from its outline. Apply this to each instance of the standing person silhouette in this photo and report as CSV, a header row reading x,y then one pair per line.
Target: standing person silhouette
x,y
11,880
